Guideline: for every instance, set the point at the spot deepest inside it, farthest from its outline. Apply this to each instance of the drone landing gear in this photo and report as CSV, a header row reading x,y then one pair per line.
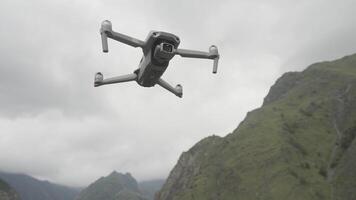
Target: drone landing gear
x,y
99,79
178,90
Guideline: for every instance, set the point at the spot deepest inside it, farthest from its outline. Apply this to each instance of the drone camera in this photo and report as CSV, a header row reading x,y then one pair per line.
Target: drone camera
x,y
164,51
167,47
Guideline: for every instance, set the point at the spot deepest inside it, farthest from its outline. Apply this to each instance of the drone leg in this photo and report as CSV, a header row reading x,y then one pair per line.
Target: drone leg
x,y
178,90
99,79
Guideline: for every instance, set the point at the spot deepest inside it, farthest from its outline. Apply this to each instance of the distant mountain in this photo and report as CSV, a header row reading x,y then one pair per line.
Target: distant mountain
x,y
299,145
116,186
150,188
7,193
30,188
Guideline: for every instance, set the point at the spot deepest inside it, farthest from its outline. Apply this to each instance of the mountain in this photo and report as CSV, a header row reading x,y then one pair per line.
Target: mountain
x,y
300,144
116,186
7,193
30,188
149,188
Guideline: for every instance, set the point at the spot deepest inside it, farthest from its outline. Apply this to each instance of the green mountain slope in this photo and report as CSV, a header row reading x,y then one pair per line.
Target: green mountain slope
x,y
116,186
299,145
6,192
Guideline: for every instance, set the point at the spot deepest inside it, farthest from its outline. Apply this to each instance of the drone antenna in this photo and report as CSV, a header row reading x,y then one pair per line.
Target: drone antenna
x,y
105,26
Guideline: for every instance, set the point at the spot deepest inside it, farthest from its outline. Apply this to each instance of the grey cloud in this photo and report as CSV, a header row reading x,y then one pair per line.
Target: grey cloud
x,y
55,125
44,62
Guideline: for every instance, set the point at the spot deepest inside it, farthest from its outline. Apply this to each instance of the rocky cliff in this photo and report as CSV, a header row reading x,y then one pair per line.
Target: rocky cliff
x,y
299,145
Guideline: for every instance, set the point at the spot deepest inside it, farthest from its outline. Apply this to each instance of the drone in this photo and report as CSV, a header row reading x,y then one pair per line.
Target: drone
x,y
158,49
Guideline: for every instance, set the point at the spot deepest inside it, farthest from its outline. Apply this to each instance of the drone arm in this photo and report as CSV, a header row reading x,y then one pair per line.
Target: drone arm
x,y
99,79
125,39
178,90
212,54
107,32
193,54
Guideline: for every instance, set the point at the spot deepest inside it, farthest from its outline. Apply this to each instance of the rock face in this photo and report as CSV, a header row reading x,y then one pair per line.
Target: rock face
x,y
30,188
116,186
7,193
299,145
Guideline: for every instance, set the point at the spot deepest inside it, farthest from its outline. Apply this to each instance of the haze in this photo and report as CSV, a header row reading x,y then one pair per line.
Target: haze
x,y
55,125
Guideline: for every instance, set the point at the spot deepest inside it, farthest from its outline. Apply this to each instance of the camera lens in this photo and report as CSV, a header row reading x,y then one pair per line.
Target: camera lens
x,y
167,47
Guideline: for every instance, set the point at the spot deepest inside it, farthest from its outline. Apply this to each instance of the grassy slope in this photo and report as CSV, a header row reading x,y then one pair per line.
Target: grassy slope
x,y
287,149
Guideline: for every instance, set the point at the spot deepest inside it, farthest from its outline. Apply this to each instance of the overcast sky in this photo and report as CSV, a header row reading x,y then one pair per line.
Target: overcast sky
x,y
55,125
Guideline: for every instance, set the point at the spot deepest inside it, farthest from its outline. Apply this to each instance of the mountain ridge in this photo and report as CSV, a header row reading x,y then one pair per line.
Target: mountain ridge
x,y
115,186
297,145
30,188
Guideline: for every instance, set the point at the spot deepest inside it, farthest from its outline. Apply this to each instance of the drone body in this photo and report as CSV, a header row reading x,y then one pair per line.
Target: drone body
x,y
158,49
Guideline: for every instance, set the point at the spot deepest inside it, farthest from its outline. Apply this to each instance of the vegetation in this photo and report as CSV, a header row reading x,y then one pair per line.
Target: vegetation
x,y
4,186
6,192
116,186
298,145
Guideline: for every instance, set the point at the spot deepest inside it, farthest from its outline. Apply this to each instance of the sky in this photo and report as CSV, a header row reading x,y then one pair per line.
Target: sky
x,y
55,125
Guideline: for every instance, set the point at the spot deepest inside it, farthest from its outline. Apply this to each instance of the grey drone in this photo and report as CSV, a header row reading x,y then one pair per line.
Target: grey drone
x,y
158,49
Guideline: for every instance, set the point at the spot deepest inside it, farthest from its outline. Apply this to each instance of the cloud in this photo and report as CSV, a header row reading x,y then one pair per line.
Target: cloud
x,y
55,125
44,61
